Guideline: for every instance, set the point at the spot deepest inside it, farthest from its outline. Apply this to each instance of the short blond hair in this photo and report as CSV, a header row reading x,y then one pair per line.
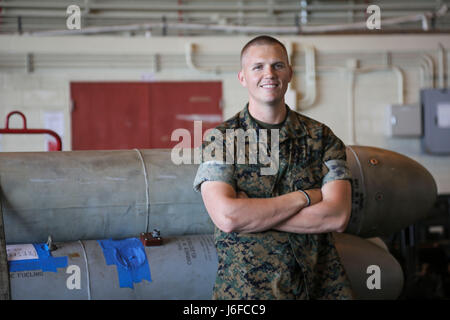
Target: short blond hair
x,y
263,40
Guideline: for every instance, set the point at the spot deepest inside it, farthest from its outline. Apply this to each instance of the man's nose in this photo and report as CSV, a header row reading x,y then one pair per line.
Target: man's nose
x,y
269,72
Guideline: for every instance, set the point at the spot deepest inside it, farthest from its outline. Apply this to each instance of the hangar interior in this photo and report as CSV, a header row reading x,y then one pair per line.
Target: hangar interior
x,y
122,76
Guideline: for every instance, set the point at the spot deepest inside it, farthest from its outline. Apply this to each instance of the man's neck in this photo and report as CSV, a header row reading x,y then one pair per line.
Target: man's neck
x,y
268,114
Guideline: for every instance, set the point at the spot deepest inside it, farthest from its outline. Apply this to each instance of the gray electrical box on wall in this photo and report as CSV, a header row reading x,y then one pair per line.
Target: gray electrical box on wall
x,y
436,120
405,120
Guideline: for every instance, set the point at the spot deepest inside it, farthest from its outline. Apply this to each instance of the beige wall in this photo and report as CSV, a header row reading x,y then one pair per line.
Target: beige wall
x,y
43,86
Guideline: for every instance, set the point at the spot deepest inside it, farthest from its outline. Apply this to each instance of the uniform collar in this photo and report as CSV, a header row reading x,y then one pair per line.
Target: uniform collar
x,y
292,128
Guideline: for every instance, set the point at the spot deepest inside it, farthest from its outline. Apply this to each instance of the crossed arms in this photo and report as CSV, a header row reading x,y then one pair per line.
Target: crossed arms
x,y
234,212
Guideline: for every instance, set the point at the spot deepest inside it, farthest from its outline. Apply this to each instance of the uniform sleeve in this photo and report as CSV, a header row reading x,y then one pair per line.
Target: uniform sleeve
x,y
214,166
334,158
214,171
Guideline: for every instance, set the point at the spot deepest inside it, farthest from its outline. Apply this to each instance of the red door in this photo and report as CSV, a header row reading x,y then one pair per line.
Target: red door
x,y
127,115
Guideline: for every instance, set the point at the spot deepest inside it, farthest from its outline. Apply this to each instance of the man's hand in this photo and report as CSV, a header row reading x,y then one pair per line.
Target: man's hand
x,y
329,215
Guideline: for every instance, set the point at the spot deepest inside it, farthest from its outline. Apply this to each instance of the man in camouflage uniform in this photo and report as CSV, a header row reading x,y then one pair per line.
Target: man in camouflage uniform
x,y
273,231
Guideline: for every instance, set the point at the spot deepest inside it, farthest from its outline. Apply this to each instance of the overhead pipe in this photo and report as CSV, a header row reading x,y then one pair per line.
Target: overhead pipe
x,y
216,8
351,70
220,18
351,93
189,49
397,71
425,75
310,78
442,67
301,29
429,62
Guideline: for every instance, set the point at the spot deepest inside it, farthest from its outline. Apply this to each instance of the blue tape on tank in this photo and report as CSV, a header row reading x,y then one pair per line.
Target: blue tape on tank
x,y
130,259
45,262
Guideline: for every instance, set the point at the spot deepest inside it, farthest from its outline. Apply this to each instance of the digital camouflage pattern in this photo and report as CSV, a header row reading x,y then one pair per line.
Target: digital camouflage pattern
x,y
274,264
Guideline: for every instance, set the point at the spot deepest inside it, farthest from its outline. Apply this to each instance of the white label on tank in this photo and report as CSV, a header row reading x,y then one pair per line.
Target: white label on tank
x,y
21,252
443,115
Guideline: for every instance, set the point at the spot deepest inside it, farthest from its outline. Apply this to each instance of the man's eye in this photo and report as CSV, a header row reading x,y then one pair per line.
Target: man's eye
x,y
279,66
257,67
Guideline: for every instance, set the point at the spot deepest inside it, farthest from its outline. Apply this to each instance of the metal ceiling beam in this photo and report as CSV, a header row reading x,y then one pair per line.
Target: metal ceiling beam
x,y
212,7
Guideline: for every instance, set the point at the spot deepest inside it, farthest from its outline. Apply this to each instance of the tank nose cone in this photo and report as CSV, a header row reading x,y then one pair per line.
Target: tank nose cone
x,y
389,191
369,265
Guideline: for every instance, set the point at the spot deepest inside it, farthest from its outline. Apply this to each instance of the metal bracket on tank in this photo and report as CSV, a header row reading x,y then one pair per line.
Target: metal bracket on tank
x,y
51,246
151,239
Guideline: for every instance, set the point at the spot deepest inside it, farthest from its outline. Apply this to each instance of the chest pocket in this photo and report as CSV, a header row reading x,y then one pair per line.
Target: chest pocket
x,y
249,179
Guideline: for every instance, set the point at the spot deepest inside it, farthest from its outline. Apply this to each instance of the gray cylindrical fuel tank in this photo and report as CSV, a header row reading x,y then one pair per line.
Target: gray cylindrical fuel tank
x,y
75,195
98,194
389,191
373,272
183,267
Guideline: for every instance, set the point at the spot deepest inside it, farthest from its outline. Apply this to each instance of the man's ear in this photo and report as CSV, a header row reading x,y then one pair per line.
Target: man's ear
x,y
241,78
292,73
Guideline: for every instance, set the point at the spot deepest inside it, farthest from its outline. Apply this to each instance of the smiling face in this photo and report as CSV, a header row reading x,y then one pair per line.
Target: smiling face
x,y
265,73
